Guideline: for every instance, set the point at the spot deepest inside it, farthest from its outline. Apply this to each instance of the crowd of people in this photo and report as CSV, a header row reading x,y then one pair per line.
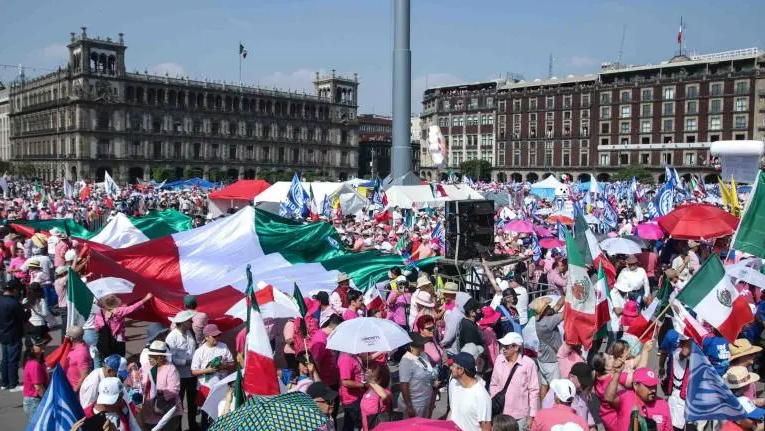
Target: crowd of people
x,y
474,352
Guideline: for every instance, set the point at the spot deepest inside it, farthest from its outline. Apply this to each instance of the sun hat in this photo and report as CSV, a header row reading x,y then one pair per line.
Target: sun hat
x,y
692,244
450,287
342,277
111,301
211,330
752,411
55,231
423,280
490,316
738,377
539,305
33,263
182,316
158,348
742,347
563,389
109,391
511,338
472,348
645,376
61,270
424,299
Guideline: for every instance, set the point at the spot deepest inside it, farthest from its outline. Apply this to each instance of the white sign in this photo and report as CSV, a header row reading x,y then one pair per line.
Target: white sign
x,y
743,168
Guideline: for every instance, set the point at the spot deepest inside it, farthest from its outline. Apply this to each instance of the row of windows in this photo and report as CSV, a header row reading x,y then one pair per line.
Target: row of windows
x,y
716,89
741,104
668,124
473,103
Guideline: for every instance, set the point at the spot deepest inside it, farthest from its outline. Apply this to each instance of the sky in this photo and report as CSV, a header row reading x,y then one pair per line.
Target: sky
x,y
452,41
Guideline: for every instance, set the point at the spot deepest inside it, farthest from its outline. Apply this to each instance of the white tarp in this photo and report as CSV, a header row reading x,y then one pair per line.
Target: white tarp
x,y
350,200
407,196
460,192
739,159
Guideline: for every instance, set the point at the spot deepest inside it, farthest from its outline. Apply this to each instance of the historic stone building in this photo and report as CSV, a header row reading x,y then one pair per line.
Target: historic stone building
x,y
5,124
93,116
651,115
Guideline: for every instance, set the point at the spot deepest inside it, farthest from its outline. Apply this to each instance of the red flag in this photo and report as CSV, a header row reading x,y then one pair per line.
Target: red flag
x,y
58,355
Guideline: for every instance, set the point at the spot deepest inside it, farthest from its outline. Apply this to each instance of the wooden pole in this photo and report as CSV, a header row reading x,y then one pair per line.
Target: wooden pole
x,y
653,322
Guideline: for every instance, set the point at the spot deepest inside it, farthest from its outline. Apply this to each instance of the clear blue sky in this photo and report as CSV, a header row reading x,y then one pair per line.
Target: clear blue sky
x,y
452,41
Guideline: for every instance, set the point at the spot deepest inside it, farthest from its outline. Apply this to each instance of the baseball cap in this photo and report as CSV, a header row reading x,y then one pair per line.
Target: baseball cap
x,y
511,338
563,389
109,391
583,373
211,330
752,411
113,362
321,390
645,376
464,360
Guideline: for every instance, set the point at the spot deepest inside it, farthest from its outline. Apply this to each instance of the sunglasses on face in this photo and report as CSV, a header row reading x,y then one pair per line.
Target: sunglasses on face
x,y
428,328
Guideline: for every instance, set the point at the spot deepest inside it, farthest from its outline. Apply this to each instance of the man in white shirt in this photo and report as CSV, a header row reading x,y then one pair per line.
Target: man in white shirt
x,y
181,343
469,402
634,278
212,361
89,387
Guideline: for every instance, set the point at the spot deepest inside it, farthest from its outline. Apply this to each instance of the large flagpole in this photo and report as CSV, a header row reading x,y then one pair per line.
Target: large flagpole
x,y
240,62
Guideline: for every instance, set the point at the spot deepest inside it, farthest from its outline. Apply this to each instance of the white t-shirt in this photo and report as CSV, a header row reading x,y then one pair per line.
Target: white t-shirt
x,y
617,300
89,387
204,354
469,406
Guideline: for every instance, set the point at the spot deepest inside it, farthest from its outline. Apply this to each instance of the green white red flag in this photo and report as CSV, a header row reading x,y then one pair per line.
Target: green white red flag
x,y
580,316
685,324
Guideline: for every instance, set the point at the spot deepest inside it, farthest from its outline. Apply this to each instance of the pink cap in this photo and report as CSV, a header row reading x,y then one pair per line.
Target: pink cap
x,y
645,376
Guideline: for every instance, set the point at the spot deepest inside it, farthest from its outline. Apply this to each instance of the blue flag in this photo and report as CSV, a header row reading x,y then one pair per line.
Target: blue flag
x,y
610,218
536,249
709,397
59,407
297,203
561,231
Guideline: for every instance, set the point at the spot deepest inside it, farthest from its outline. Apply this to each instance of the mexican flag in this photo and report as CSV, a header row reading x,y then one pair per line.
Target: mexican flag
x,y
589,247
210,262
259,367
580,316
750,235
686,324
79,300
713,298
643,325
604,307
121,231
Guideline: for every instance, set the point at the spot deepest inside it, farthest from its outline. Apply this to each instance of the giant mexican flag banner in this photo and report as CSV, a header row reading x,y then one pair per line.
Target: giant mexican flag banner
x,y
580,319
713,298
211,261
121,231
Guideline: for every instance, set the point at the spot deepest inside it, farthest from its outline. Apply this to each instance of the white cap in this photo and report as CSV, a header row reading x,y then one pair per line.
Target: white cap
x,y
109,391
511,338
568,426
70,255
563,389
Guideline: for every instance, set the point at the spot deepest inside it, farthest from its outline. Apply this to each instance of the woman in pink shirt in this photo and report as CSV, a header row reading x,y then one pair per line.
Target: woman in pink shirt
x,y
377,399
162,386
399,300
433,350
35,376
78,362
112,313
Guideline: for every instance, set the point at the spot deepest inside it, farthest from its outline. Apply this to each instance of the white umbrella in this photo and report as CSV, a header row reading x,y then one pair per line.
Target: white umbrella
x,y
618,245
742,271
367,334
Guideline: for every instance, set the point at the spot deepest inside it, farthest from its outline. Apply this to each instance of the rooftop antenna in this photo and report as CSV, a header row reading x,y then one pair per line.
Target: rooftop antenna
x,y
550,67
621,45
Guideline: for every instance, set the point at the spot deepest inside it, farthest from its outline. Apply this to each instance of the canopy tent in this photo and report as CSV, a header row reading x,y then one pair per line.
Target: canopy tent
x,y
238,194
350,200
191,182
408,196
408,179
548,188
459,192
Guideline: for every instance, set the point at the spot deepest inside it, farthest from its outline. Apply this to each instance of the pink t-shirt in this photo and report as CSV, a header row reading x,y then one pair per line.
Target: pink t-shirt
x,y
370,403
324,358
658,411
77,362
241,338
34,374
608,413
350,314
350,369
567,357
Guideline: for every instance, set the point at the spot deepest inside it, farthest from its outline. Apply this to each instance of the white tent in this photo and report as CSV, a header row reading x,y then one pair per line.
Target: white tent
x,y
548,188
407,196
350,200
459,192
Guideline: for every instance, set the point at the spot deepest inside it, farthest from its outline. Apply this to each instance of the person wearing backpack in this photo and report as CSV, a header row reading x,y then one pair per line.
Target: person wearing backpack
x,y
110,323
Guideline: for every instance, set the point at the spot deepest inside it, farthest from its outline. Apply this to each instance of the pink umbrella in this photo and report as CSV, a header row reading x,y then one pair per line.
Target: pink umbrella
x,y
418,424
542,231
520,226
650,231
551,243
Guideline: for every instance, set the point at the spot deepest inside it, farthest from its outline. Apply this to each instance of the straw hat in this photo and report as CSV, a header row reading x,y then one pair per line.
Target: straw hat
x,y
158,348
423,280
39,240
342,277
738,377
450,287
424,299
111,301
539,305
742,347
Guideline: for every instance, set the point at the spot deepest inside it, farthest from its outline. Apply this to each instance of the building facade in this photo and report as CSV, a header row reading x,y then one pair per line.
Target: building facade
x,y
94,117
652,116
5,124
375,143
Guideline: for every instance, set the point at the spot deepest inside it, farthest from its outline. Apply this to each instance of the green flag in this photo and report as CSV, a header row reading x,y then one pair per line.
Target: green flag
x,y
79,299
750,235
303,309
239,396
249,293
663,295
